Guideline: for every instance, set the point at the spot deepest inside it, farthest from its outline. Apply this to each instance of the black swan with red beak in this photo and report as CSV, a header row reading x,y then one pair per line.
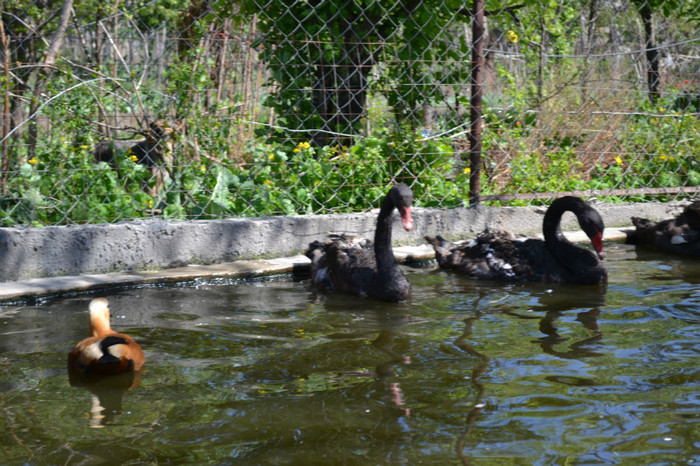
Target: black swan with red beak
x,y
358,266
680,235
499,255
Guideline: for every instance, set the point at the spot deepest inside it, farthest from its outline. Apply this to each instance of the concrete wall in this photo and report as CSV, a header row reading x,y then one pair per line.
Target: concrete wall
x,y
156,244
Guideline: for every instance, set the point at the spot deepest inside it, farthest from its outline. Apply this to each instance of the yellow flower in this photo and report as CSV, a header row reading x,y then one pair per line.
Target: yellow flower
x,y
512,37
467,171
618,160
666,157
33,161
267,182
150,203
271,157
202,169
85,147
133,158
297,150
302,146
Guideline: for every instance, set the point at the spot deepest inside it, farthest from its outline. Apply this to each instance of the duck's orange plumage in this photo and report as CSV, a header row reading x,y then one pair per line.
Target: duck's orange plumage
x,y
106,351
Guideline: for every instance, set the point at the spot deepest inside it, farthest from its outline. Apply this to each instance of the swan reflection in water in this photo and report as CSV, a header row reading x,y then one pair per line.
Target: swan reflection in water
x,y
555,302
385,342
380,325
559,301
105,393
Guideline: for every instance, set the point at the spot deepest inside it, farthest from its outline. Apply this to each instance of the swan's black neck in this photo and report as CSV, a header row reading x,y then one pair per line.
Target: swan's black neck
x,y
569,255
382,237
551,226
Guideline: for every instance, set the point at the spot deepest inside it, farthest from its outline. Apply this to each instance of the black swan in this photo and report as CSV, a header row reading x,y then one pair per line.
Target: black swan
x,y
499,255
358,266
680,235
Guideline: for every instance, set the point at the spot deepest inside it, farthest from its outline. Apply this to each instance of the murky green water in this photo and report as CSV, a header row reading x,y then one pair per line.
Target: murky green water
x,y
270,372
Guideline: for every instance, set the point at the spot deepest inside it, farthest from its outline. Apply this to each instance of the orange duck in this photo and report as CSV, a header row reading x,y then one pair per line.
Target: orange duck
x,y
106,351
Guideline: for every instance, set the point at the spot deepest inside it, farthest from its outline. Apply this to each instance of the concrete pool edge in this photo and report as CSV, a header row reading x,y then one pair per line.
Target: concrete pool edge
x,y
156,244
49,286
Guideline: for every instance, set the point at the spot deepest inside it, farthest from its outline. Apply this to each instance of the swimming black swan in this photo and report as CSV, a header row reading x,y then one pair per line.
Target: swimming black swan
x,y
679,235
499,255
356,265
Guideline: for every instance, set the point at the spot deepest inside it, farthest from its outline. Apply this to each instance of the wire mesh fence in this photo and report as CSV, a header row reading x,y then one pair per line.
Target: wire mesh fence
x,y
187,110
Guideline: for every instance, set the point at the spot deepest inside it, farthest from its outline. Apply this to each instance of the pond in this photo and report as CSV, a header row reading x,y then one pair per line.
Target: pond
x,y
272,372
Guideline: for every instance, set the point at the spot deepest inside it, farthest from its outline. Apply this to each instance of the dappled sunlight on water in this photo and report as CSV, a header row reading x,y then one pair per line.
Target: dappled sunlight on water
x,y
272,372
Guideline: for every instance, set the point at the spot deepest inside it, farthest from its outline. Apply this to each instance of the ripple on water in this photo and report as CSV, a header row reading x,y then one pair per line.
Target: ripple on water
x,y
273,371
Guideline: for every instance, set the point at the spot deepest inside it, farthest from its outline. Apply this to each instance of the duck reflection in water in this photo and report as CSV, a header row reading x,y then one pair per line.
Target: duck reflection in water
x,y
105,393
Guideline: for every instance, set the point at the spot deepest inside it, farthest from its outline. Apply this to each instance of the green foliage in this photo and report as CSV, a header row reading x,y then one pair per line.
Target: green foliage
x,y
421,64
63,184
336,44
662,145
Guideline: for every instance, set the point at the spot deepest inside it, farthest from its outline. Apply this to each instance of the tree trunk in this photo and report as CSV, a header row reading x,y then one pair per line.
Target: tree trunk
x,y
340,89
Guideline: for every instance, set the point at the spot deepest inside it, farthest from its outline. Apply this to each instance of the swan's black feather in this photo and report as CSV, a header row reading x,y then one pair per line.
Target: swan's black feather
x,y
359,266
499,255
680,235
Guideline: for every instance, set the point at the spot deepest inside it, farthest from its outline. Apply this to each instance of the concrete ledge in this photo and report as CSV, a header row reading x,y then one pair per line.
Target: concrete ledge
x,y
239,269
137,246
80,257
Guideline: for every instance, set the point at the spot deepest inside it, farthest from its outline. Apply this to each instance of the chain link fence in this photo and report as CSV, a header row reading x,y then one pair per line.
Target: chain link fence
x,y
208,109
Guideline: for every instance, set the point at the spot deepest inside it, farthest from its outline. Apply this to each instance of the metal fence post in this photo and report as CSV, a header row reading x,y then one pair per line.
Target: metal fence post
x,y
475,111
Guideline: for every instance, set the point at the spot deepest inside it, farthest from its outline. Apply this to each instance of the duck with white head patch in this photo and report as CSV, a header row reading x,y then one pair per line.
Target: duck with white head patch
x,y
105,352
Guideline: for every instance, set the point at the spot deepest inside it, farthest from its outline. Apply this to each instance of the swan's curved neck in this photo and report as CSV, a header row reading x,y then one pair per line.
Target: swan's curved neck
x,y
382,237
551,226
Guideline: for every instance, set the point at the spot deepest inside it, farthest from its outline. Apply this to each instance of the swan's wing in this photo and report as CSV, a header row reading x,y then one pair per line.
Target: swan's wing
x,y
343,263
676,235
491,255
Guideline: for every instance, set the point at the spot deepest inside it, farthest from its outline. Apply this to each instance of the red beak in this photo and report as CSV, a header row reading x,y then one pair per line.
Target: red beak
x,y
406,221
597,242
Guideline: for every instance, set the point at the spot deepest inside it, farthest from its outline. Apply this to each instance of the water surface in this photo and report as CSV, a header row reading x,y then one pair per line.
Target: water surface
x,y
272,372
